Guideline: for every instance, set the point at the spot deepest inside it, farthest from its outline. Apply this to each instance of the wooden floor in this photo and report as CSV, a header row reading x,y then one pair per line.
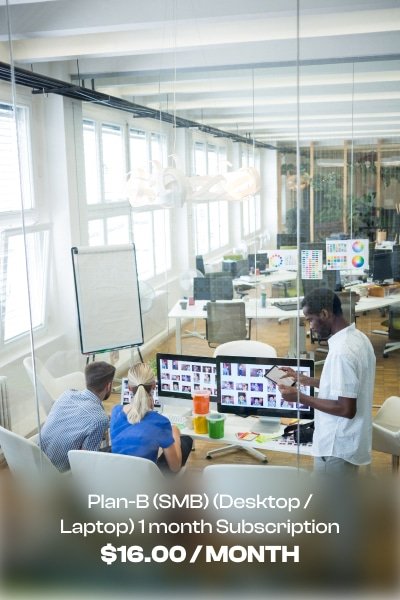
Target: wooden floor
x,y
387,383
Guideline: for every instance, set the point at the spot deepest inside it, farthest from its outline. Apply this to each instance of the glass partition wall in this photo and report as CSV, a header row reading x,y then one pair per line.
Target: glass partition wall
x,y
86,173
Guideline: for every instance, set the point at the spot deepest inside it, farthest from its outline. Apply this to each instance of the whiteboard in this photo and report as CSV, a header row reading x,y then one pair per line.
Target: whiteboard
x,y
107,297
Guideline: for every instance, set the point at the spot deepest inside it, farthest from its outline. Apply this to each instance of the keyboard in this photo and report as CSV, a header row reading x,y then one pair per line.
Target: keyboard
x,y
286,305
178,420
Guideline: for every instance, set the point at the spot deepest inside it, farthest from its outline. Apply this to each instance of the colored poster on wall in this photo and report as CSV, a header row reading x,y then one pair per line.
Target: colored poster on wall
x,y
282,259
347,255
311,264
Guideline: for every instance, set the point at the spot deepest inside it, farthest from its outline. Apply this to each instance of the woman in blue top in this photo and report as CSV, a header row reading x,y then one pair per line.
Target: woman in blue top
x,y
136,429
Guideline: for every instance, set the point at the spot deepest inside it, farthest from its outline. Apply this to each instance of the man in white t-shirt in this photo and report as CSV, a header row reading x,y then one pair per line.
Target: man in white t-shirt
x,y
343,408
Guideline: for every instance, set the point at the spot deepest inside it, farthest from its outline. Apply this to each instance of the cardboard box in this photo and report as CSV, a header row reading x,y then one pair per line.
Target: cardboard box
x,y
383,290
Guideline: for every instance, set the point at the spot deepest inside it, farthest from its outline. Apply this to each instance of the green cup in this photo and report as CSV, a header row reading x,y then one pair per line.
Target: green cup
x,y
216,427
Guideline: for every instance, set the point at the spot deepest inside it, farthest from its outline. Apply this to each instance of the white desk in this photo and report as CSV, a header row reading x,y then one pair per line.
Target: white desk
x,y
235,424
253,311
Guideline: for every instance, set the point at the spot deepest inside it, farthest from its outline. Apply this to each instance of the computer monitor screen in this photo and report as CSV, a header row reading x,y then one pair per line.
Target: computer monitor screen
x,y
179,376
258,261
235,267
382,266
243,388
202,288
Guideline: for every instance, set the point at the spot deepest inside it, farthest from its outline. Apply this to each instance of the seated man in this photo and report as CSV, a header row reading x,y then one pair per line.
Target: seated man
x,y
77,420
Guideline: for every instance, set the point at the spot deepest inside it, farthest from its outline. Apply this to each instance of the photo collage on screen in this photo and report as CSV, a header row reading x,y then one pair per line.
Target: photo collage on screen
x,y
246,385
185,376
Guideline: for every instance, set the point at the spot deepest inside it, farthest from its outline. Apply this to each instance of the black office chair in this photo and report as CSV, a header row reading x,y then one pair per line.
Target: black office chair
x,y
394,330
226,322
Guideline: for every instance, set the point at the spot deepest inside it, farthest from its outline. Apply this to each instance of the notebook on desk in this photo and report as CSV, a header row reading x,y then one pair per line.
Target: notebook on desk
x,y
290,304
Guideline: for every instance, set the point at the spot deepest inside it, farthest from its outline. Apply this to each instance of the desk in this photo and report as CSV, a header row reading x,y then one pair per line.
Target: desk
x,y
235,424
253,311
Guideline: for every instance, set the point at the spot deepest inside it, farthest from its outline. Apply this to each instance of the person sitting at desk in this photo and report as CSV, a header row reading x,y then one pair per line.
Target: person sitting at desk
x,y
137,430
77,420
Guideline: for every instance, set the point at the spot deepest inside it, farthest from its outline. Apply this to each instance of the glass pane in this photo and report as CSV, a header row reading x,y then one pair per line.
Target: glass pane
x,y
118,230
162,241
139,155
10,190
93,194
16,313
96,232
200,161
144,244
214,225
114,175
158,149
201,220
212,159
224,222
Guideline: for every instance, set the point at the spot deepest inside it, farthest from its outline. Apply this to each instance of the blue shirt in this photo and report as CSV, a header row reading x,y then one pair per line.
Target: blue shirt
x,y
141,439
76,421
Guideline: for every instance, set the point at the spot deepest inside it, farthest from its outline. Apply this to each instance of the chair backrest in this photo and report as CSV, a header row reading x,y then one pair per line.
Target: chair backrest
x,y
226,321
50,388
113,476
386,427
109,475
245,348
25,459
230,481
394,321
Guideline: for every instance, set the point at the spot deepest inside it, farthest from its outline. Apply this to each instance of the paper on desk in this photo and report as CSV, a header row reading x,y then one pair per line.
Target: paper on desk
x,y
251,436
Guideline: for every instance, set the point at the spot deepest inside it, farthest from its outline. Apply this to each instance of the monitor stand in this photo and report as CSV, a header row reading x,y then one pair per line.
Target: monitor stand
x,y
268,425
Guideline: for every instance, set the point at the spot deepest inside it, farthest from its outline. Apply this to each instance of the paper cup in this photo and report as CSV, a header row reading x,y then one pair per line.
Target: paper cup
x,y
201,402
216,425
200,424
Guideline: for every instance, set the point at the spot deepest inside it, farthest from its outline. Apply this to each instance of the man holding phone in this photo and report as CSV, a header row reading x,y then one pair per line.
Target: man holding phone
x,y
343,408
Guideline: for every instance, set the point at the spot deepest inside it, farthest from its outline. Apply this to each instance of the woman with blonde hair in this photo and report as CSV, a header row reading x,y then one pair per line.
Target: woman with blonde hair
x,y
136,429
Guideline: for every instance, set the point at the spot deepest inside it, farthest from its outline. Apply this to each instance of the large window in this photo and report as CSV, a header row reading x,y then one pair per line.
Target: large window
x,y
24,281
112,150
251,206
24,253
14,180
211,216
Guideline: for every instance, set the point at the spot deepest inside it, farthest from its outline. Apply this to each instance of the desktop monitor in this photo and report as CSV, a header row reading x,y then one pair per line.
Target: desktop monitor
x,y
382,268
213,288
258,261
178,376
244,390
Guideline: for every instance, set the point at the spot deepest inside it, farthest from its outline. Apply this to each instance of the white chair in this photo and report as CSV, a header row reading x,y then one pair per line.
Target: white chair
x,y
386,430
26,461
251,481
109,475
251,348
49,388
245,348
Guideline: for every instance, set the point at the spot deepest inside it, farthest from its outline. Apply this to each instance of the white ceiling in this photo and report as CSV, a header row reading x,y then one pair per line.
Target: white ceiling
x,y
227,63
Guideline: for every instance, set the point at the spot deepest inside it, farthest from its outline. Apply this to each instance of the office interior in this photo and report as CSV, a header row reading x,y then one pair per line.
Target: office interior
x,y
179,131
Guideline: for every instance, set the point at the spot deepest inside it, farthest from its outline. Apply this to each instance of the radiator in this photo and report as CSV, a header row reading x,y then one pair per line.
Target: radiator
x,y
5,417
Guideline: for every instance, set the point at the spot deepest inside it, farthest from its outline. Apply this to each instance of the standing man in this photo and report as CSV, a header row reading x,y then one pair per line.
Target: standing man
x,y
77,420
343,409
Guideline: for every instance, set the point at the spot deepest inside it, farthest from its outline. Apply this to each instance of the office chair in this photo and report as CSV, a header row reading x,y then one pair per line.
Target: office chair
x,y
50,388
386,430
226,321
114,476
232,480
254,349
26,461
393,331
